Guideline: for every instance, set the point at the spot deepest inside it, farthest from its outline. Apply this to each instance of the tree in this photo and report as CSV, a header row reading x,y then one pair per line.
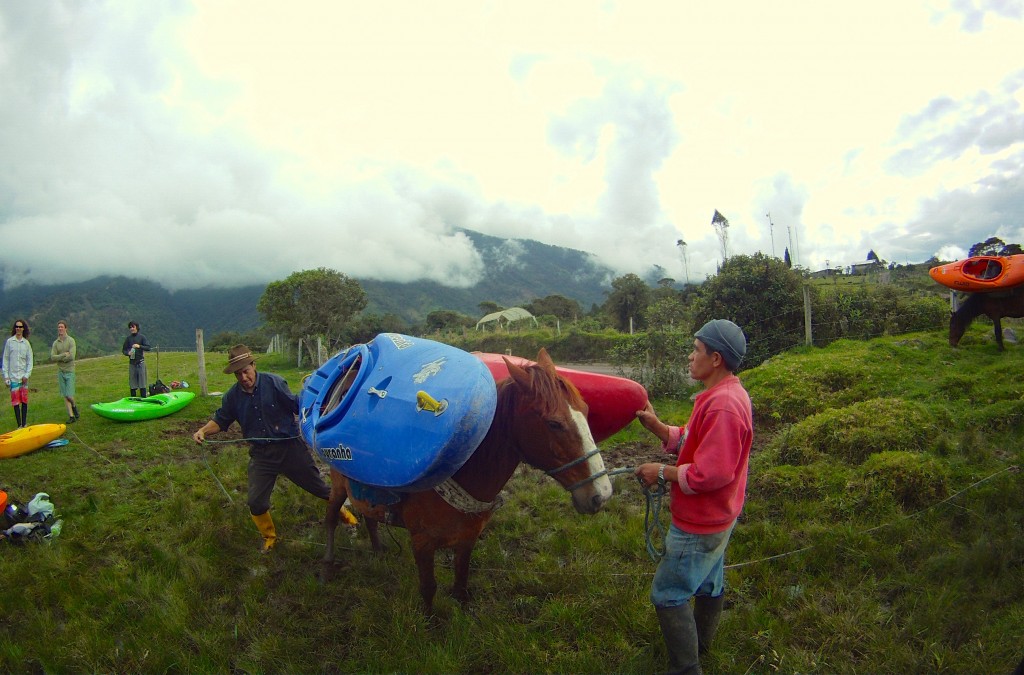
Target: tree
x,y
311,304
758,293
994,246
789,261
665,312
628,298
565,309
489,307
872,255
446,319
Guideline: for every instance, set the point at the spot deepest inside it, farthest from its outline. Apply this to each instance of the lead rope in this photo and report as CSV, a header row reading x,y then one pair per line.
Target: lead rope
x,y
653,530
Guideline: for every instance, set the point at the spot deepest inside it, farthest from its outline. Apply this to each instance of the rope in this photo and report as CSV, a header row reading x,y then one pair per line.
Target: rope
x,y
128,471
248,440
1013,469
216,480
653,530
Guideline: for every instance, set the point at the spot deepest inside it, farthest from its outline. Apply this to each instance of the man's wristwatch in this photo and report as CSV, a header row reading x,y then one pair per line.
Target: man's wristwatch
x,y
661,476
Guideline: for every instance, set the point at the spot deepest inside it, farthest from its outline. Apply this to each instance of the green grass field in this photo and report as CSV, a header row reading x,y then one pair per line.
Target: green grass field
x,y
882,534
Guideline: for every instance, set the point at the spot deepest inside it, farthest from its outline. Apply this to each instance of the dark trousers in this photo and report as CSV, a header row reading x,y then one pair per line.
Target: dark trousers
x,y
291,459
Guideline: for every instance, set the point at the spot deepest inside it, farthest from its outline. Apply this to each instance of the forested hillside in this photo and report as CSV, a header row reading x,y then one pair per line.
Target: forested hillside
x,y
98,310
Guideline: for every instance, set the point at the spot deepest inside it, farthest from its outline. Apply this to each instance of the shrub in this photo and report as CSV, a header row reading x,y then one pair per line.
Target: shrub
x,y
657,360
854,432
912,479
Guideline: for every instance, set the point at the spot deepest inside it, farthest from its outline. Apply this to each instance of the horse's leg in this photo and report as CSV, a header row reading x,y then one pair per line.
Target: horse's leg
x,y
999,332
339,492
371,529
460,587
423,551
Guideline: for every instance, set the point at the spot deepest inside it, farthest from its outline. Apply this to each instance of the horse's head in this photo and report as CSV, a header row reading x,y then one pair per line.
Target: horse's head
x,y
550,425
957,328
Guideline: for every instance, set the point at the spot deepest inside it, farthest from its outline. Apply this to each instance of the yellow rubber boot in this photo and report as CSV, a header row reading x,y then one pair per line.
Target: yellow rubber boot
x,y
265,524
347,517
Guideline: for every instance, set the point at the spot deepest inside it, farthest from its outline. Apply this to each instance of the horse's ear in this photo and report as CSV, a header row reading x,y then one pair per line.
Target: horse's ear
x,y
544,359
518,374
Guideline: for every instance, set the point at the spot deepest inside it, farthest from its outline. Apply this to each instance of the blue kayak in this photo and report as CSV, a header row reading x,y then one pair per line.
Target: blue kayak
x,y
399,412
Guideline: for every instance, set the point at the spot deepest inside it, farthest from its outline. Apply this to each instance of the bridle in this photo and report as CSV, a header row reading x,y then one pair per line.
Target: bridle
x,y
585,481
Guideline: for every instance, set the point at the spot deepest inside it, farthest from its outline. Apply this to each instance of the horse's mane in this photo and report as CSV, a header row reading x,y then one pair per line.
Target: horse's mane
x,y
970,308
550,390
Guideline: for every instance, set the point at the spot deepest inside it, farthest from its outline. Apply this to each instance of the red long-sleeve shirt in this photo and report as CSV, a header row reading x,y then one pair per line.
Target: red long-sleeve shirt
x,y
713,453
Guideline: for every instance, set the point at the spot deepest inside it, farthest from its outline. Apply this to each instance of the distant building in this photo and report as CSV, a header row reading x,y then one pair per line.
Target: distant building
x,y
865,267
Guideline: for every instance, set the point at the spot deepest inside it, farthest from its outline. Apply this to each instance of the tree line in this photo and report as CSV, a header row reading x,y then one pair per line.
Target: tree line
x,y
760,293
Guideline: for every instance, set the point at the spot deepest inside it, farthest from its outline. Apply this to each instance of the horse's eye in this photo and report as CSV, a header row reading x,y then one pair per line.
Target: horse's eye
x,y
555,425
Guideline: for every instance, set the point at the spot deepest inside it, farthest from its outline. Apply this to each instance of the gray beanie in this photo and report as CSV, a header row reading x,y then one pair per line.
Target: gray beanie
x,y
726,338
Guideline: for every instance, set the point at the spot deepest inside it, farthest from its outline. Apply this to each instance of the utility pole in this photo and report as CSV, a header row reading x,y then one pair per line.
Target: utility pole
x,y
771,231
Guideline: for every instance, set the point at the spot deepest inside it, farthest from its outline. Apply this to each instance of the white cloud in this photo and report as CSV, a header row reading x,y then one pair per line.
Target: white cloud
x,y
226,144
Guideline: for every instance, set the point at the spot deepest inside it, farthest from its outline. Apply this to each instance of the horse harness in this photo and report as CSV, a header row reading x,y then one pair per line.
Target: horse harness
x,y
455,496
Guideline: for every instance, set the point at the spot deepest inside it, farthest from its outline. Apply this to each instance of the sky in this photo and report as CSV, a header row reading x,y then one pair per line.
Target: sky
x,y
228,143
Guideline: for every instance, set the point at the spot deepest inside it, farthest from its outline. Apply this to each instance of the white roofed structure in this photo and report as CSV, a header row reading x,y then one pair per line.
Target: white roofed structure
x,y
507,315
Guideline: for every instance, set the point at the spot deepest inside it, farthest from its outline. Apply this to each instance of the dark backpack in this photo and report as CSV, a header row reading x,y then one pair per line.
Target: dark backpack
x,y
159,388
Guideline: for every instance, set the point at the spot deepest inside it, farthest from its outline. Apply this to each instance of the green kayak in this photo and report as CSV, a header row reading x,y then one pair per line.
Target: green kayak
x,y
135,409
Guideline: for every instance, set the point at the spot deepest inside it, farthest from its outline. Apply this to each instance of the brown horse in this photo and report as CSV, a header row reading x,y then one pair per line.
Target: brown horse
x,y
994,305
541,419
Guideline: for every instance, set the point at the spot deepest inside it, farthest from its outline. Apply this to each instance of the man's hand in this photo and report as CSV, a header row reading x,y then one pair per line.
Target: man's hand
x,y
649,420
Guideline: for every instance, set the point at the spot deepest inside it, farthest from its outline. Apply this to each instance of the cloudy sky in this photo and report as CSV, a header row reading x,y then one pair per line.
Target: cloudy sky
x,y
232,142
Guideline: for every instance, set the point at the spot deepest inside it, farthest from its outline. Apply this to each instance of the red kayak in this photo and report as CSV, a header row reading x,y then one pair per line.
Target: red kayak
x,y
613,401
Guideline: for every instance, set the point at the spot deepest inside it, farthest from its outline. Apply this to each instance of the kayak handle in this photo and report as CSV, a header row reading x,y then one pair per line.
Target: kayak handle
x,y
425,401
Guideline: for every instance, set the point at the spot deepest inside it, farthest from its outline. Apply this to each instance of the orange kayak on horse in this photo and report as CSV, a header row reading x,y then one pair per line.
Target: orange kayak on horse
x,y
981,274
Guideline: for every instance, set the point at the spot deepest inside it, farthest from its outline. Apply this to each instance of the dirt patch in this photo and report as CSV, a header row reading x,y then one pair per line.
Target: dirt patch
x,y
631,454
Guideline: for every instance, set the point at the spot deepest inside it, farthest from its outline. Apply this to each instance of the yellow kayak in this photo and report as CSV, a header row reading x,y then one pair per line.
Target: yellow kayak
x,y
33,437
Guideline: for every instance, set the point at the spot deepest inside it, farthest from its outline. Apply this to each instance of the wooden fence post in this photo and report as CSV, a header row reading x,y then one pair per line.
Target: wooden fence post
x,y
808,336
201,353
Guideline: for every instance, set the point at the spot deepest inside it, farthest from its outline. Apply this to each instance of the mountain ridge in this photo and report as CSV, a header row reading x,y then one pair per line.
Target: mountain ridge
x,y
516,271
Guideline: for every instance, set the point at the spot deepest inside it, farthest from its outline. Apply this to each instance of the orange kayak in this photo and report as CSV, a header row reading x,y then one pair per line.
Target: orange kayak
x,y
981,274
613,401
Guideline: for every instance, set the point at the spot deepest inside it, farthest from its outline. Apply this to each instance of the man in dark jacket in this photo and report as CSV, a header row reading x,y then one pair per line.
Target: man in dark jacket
x,y
135,347
265,409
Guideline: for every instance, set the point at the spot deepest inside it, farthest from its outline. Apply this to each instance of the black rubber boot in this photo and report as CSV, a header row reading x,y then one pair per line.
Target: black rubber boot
x,y
24,414
17,415
135,393
706,613
74,411
680,633
142,392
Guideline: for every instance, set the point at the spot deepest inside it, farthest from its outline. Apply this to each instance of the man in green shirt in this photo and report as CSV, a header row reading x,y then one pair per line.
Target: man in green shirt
x,y
63,352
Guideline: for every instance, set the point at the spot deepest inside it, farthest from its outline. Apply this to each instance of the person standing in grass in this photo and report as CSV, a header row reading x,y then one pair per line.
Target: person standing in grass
x,y
64,352
707,483
265,409
135,347
17,367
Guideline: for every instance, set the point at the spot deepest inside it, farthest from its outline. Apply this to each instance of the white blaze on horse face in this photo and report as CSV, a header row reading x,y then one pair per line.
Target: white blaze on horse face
x,y
590,497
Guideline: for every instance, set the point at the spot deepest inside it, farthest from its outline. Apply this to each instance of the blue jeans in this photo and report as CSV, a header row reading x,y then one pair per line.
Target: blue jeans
x,y
694,564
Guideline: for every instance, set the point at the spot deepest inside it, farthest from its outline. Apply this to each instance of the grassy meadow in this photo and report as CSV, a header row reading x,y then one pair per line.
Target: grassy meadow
x,y
883,533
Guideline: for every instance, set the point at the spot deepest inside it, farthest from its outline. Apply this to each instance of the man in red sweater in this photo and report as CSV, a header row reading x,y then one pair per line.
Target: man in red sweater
x,y
707,482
